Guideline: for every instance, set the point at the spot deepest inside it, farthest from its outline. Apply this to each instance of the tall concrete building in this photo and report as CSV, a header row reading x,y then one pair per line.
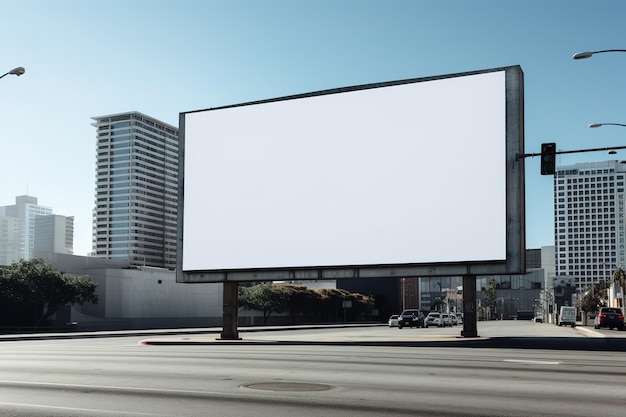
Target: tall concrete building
x,y
54,233
589,221
25,210
135,215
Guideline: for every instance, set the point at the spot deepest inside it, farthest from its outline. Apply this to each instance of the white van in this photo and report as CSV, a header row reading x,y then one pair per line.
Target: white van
x,y
567,316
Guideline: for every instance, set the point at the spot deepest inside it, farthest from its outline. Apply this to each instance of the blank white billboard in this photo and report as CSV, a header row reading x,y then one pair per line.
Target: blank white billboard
x,y
395,173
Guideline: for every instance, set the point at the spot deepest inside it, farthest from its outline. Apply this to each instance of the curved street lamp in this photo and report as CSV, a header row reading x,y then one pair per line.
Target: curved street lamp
x,y
594,125
15,71
583,55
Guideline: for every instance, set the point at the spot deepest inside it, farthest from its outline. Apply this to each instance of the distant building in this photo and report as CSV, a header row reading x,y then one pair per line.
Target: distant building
x,y
25,210
135,217
590,241
54,233
9,239
533,258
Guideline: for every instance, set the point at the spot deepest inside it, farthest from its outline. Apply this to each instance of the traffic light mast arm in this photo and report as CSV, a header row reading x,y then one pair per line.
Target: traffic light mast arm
x,y
528,155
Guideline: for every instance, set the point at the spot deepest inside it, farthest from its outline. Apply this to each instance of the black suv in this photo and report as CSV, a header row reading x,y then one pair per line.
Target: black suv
x,y
609,317
411,318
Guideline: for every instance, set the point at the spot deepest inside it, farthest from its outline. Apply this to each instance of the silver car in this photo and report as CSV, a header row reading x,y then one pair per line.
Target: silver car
x,y
438,319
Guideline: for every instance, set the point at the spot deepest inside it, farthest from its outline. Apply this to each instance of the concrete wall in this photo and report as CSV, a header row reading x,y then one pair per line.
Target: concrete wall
x,y
153,293
139,298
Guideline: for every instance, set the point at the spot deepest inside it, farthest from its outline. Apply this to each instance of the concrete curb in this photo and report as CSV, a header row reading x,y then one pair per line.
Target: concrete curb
x,y
589,332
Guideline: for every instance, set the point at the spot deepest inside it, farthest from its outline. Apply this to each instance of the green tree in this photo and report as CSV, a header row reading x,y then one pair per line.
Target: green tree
x,y
264,297
361,306
331,303
325,304
594,296
33,291
303,301
490,293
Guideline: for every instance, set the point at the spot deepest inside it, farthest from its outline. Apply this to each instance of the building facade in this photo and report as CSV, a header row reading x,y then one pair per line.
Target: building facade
x,y
135,214
25,210
589,221
54,233
9,238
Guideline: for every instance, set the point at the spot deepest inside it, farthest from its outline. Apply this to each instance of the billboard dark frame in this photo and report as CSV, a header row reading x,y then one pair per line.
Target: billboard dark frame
x,y
514,262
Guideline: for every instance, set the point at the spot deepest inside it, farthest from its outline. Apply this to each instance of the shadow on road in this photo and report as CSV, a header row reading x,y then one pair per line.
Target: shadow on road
x,y
547,343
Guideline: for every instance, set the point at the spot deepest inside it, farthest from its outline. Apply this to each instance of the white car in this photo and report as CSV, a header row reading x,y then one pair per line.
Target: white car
x,y
459,318
453,319
393,320
438,319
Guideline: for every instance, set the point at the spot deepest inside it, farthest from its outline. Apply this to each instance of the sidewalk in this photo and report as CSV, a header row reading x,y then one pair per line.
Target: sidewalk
x,y
209,332
332,334
494,334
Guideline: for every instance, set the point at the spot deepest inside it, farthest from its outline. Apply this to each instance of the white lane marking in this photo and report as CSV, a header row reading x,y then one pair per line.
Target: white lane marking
x,y
91,410
533,362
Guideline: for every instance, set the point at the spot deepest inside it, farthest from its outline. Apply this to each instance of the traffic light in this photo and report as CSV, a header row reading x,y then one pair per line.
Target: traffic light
x,y
548,160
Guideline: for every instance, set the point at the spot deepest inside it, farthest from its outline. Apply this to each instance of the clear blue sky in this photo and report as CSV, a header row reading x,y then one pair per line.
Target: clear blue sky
x,y
86,58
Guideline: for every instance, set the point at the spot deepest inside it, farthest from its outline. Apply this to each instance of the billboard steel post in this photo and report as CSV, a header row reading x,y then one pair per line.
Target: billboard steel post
x,y
231,307
469,306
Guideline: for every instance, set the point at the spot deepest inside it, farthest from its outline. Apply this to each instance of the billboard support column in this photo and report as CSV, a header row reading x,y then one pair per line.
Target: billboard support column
x,y
469,306
230,311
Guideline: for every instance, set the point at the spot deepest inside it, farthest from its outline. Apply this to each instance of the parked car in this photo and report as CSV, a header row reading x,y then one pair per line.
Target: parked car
x,y
393,320
453,319
438,319
411,318
459,318
610,317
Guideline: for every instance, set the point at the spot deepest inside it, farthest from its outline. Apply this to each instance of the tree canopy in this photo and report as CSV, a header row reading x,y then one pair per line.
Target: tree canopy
x,y
594,296
263,298
324,304
33,291
490,291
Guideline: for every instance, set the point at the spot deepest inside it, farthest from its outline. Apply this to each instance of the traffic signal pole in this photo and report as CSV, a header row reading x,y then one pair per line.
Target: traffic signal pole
x,y
611,148
548,152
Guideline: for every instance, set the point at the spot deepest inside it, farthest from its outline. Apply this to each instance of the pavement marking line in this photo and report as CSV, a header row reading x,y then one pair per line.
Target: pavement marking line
x,y
532,362
100,387
53,407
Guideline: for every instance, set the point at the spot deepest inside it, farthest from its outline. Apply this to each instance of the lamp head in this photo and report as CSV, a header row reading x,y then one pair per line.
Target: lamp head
x,y
17,71
582,55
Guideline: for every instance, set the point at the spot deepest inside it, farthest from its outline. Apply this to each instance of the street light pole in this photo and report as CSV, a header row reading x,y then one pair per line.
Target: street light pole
x,y
584,55
618,280
15,71
594,125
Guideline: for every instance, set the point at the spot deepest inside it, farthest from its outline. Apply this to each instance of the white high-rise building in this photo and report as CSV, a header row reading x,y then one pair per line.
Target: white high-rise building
x,y
589,221
9,239
135,215
25,210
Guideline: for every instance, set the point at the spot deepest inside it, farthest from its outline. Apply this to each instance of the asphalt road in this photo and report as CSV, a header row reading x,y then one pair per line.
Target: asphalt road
x,y
513,369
